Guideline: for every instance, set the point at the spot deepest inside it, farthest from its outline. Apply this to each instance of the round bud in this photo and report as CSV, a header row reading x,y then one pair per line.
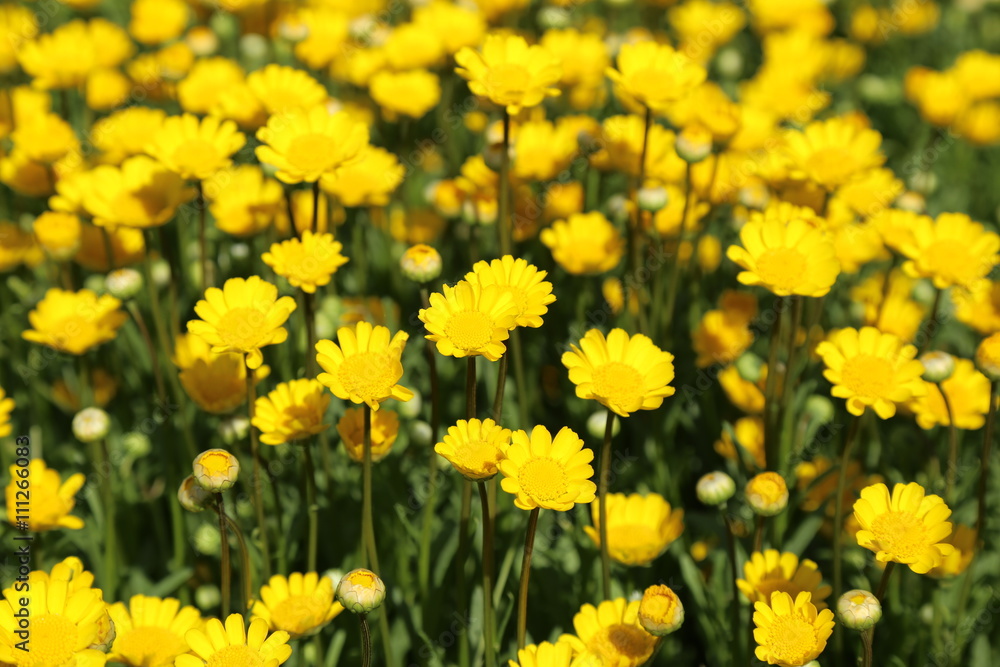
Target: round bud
x,y
859,610
820,409
292,30
136,444
94,282
202,41
652,199
420,433
660,611
123,283
715,488
730,62
493,156
161,273
988,357
361,591
553,18
216,470
207,539
207,596
912,201
619,208
253,47
234,429
192,496
938,366
411,409
239,250
597,423
421,263
767,493
694,143
91,424
750,367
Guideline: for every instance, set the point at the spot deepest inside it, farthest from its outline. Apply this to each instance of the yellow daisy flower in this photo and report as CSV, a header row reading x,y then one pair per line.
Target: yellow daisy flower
x,y
208,79
367,181
127,247
790,631
7,406
280,88
74,322
584,243
508,72
655,75
365,367
412,93
772,571
748,435
243,316
907,527
640,528
245,202
622,373
831,152
469,320
968,392
195,148
545,654
475,448
149,631
304,144
523,281
307,263
235,644
45,138
385,429
551,473
745,395
292,411
140,193
299,604
951,251
124,133
610,635
871,368
963,538
58,233
724,334
979,306
216,382
51,498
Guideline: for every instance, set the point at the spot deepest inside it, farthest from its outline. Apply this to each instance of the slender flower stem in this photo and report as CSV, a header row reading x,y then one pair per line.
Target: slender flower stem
x,y
206,264
488,630
497,413
424,558
758,534
314,226
770,389
244,562
175,276
368,525
522,598
519,378
366,642
883,583
949,492
734,604
886,286
140,323
470,388
312,508
460,557
602,505
838,511
227,572
788,386
867,640
984,470
634,238
110,584
675,268
503,225
309,313
258,496
932,324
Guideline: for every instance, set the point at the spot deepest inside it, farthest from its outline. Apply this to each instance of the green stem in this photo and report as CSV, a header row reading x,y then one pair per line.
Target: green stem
x,y
244,562
140,323
258,496
602,505
522,598
984,470
175,276
884,582
770,389
488,567
634,237
503,223
788,387
932,325
314,226
309,313
227,572
952,447
470,388
312,507
838,515
460,558
519,378
867,640
367,524
424,559
366,642
206,266
675,269
758,534
734,606
110,534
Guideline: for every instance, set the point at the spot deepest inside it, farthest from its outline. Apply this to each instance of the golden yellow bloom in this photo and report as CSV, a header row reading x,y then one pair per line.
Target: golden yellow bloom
x,y
660,611
543,149
586,243
897,313
610,635
107,89
980,124
979,306
123,134
157,21
58,233
234,644
324,33
623,373
51,498
299,604
365,367
545,654
871,369
988,356
127,247
195,148
279,89
963,539
749,437
384,430
292,411
968,392
141,193
308,263
723,335
103,387
304,144
408,46
74,322
654,75
455,26
215,470
16,23
209,79
216,382
368,181
831,152
789,631
25,176
640,528
244,201
242,317
951,251
470,320
149,631
65,57
767,493
7,406
583,55
475,448
524,282
412,93
508,72
746,395
907,527
18,247
546,472
772,571
45,138
621,138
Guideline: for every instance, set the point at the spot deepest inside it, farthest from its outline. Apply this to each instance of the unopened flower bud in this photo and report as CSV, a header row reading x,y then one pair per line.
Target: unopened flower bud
x,y
597,423
420,433
694,143
234,429
136,444
820,409
207,539
91,424
216,470
553,18
202,41
652,199
660,611
938,366
767,493
750,367
988,357
912,201
361,591
123,283
858,609
207,596
106,634
421,263
618,208
192,496
715,488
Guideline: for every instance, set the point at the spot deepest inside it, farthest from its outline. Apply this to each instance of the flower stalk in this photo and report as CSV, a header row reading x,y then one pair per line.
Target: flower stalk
x,y
522,597
227,572
258,497
602,505
488,568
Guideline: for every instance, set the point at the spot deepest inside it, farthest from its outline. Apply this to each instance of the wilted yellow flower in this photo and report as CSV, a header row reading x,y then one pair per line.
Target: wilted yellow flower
x,y
384,430
640,527
508,72
365,367
299,604
654,75
291,411
195,148
74,322
149,631
470,319
304,144
773,571
586,243
52,499
307,263
790,631
610,635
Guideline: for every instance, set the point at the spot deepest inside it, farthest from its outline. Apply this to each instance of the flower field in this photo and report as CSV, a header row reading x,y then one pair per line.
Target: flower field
x,y
553,333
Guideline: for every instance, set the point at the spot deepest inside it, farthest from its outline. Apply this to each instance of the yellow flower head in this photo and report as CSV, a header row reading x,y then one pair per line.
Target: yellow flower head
x,y
361,591
871,368
304,144
216,382
65,57
585,243
724,334
235,644
157,21
140,193
208,80
365,367
542,149
292,411
280,89
746,395
640,528
245,201
968,393
655,75
475,448
610,635
748,436
411,93
127,247
242,317
216,470
546,472
979,306
307,263
299,604
367,181
988,356
767,493
623,373
327,32
789,631
660,611
785,255
51,498
907,527
195,148
74,322
44,138
7,406
545,654
470,319
524,282
18,247
455,26
58,233
773,571
952,251
583,56
508,72
831,152
149,631
121,134
384,430
963,538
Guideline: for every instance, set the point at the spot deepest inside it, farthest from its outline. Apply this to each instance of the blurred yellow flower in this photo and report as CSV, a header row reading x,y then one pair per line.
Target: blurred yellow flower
x,y
58,234
724,334
74,322
789,631
141,193
585,243
773,571
979,306
7,406
149,631
52,498
299,604
746,395
470,319
767,493
215,382
951,251
157,21
291,411
122,134
384,430
17,23
65,57
897,313
455,26
127,247
583,56
304,144
327,32
832,152
968,393
365,367
963,539
654,75
640,527
217,644
244,201
508,72
281,89
748,436
412,93
368,181
209,79
103,387
543,149
195,148
610,635
45,138
107,89
307,263
545,654
545,472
